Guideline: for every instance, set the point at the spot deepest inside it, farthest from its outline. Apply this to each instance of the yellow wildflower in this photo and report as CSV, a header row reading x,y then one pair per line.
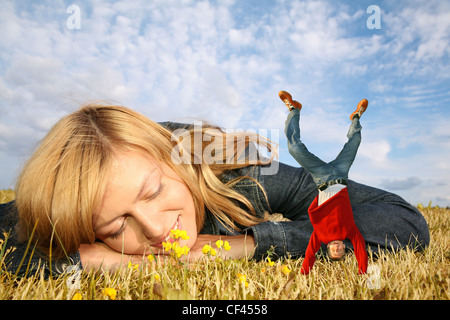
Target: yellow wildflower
x,y
157,277
167,246
110,292
226,246
186,250
183,235
151,258
132,266
175,234
179,251
219,243
263,270
206,249
77,296
179,234
270,262
286,270
242,279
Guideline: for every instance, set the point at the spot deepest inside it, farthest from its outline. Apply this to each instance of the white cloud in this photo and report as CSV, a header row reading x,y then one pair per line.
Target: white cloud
x,y
376,153
175,60
240,37
422,32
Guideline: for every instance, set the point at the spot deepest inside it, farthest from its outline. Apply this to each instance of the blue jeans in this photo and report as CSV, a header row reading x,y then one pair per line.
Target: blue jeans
x,y
321,171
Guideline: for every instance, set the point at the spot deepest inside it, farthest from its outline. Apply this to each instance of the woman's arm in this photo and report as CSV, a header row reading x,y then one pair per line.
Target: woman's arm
x,y
99,256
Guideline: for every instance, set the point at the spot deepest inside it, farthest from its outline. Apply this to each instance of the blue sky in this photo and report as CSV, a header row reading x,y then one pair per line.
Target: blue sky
x,y
225,61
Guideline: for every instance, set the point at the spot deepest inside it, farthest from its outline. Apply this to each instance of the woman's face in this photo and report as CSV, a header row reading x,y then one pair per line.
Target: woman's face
x,y
144,200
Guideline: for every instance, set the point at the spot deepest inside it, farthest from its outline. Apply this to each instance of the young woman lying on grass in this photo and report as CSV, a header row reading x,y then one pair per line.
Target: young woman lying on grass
x,y
107,184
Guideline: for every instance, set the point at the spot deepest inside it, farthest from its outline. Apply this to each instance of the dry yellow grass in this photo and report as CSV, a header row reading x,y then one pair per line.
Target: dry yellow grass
x,y
401,275
6,196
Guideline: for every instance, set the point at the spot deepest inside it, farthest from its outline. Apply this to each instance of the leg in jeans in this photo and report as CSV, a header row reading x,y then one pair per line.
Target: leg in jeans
x,y
341,165
320,171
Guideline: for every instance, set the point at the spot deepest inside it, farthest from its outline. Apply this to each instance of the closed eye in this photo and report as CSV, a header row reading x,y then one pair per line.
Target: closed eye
x,y
116,234
157,193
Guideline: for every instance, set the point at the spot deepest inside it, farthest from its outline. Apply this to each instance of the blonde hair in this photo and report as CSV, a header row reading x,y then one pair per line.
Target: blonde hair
x,y
63,182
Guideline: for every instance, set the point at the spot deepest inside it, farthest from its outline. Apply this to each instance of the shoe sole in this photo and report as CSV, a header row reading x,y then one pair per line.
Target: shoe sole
x,y
287,99
360,109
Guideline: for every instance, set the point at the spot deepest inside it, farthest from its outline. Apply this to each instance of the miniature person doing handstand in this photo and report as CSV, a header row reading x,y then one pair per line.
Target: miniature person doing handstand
x,y
330,212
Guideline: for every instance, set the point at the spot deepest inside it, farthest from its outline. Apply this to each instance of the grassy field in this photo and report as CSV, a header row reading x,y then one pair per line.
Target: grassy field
x,y
400,275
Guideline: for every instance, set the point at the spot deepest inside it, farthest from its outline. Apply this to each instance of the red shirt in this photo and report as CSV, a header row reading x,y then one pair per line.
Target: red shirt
x,y
333,220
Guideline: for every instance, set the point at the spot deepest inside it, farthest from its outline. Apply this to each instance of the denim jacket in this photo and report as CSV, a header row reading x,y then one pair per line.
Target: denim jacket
x,y
277,237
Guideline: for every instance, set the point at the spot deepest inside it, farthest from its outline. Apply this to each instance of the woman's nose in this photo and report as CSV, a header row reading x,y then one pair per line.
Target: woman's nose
x,y
152,224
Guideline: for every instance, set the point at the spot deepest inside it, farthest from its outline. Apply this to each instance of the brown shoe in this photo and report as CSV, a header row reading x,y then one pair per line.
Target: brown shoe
x,y
360,109
287,99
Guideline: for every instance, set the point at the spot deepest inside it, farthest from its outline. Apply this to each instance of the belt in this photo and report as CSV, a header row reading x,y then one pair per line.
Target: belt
x,y
331,182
